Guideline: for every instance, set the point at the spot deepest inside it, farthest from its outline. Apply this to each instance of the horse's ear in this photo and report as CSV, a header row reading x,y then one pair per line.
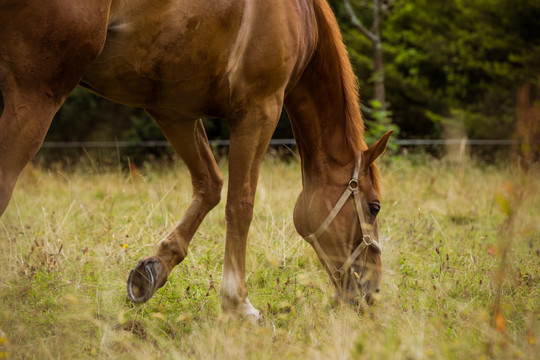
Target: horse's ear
x,y
377,149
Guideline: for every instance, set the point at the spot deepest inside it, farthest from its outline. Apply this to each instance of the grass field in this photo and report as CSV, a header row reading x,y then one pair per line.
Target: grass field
x,y
461,262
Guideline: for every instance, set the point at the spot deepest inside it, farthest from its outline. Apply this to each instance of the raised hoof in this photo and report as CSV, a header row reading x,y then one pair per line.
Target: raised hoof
x,y
142,282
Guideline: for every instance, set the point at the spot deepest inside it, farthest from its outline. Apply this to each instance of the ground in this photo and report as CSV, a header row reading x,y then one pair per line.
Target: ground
x,y
461,258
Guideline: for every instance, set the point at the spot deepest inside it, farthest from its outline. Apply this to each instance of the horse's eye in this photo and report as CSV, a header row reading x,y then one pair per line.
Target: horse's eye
x,y
374,208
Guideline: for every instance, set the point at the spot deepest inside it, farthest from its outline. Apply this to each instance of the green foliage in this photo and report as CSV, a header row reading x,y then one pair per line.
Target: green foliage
x,y
458,60
470,56
378,122
448,57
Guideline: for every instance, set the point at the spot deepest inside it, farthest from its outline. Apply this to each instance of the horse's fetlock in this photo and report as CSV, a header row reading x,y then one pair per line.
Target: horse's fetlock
x,y
229,303
172,251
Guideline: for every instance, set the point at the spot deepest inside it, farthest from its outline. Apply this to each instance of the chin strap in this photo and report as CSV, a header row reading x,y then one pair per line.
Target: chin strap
x,y
367,240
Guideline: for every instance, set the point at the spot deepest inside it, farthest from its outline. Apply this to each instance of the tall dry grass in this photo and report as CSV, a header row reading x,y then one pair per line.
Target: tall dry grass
x,y
461,269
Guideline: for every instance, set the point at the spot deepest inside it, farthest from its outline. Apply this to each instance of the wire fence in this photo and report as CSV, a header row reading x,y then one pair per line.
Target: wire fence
x,y
287,142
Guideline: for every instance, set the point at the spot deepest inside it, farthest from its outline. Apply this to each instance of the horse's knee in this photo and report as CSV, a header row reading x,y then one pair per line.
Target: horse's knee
x,y
238,211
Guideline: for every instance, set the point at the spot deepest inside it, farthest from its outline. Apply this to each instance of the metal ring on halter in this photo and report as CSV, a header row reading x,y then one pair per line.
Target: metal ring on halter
x,y
150,279
367,239
338,274
355,183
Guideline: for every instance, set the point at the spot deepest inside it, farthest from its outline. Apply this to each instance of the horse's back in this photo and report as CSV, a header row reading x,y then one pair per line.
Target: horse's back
x,y
158,52
199,54
202,58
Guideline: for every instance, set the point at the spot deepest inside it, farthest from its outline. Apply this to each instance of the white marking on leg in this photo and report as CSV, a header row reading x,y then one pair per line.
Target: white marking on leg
x,y
229,289
231,299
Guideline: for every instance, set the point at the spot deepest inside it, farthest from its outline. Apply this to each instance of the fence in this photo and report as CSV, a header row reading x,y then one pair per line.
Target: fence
x,y
163,143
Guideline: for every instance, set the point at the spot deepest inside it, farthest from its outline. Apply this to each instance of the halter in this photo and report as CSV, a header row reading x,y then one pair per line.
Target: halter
x,y
367,240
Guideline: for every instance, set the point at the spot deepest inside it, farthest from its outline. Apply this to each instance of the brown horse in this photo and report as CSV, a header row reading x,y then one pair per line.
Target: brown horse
x,y
182,60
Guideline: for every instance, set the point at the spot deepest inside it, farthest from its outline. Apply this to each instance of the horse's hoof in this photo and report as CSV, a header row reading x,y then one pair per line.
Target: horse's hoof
x,y
255,318
141,284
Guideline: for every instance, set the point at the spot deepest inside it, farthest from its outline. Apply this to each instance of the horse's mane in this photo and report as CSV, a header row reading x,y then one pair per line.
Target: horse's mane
x,y
354,125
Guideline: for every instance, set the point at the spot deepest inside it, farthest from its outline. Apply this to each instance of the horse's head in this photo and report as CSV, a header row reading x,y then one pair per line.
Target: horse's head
x,y
339,219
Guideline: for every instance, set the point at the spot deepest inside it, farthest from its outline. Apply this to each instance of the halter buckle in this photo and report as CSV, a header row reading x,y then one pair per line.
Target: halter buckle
x,y
353,184
367,239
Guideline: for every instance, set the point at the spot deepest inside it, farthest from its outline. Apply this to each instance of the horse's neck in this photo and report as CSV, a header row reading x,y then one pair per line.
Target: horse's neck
x,y
316,118
319,133
320,109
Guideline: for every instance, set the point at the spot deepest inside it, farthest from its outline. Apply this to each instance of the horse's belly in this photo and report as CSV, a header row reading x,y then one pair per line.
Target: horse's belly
x,y
179,85
152,79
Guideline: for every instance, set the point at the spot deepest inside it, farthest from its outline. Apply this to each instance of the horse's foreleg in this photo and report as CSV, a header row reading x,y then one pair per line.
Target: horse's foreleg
x,y
190,142
250,136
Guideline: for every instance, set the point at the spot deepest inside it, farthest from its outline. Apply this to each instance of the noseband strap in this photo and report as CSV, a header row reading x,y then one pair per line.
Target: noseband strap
x,y
367,239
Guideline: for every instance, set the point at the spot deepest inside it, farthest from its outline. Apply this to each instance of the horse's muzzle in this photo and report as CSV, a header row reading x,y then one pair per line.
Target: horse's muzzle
x,y
359,290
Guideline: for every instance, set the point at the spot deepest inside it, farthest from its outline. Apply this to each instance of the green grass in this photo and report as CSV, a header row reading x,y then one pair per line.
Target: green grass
x,y
461,269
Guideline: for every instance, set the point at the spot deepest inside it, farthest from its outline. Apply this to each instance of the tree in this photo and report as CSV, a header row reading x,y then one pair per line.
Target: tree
x,y
472,56
374,35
